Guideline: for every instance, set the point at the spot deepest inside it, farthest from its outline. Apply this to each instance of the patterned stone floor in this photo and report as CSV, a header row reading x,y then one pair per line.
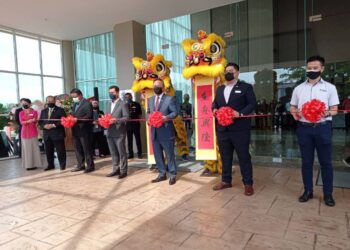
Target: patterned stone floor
x,y
65,210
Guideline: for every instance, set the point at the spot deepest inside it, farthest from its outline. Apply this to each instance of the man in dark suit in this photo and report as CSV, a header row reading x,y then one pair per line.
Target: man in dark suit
x,y
133,128
116,133
163,138
82,109
19,127
53,132
241,98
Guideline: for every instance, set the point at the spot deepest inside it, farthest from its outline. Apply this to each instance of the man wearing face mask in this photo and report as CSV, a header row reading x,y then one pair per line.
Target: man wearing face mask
x,y
82,109
133,128
163,138
116,133
318,135
235,137
53,133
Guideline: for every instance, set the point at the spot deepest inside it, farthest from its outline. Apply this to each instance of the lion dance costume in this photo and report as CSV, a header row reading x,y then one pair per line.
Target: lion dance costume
x,y
205,59
155,66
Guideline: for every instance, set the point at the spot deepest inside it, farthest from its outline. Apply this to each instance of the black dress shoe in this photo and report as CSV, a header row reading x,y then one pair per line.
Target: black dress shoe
x,y
63,168
121,176
33,168
130,157
172,180
78,169
306,196
329,201
49,168
89,170
139,156
114,173
159,178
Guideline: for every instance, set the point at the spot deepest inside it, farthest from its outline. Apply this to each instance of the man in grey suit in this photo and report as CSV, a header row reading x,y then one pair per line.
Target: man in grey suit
x,y
163,138
82,109
116,133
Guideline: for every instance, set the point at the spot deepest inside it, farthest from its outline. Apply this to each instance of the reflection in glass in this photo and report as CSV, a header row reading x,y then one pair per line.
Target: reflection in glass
x,y
53,86
7,56
8,93
30,87
51,58
28,55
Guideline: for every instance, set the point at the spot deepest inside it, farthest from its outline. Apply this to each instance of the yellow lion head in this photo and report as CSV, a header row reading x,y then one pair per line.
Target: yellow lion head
x,y
155,66
205,56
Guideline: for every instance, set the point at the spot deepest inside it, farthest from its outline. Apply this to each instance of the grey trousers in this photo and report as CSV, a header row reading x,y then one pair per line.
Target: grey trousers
x,y
118,152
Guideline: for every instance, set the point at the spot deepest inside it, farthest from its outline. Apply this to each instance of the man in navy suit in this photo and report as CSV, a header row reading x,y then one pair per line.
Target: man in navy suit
x,y
163,138
235,137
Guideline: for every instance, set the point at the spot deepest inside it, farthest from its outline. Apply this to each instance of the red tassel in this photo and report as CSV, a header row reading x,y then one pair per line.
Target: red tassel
x,y
313,110
225,116
155,119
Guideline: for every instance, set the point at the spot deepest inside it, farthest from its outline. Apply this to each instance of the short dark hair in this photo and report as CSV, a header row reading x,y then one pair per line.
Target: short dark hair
x,y
76,91
116,88
51,96
235,65
316,58
22,99
129,94
27,100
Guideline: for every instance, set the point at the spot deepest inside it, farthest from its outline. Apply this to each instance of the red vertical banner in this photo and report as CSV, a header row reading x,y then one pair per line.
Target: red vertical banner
x,y
205,123
150,154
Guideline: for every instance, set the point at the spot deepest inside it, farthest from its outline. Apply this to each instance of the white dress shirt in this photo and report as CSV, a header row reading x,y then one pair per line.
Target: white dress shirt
x,y
228,89
155,99
113,104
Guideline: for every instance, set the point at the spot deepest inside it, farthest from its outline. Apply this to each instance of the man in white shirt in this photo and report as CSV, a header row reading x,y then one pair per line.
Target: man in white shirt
x,y
318,135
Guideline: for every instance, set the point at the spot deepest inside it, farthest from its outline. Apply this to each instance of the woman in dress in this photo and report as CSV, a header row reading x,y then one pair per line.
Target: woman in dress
x,y
31,158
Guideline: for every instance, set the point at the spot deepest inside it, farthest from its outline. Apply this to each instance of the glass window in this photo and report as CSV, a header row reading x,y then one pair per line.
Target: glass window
x,y
7,56
51,58
8,93
28,55
53,86
30,87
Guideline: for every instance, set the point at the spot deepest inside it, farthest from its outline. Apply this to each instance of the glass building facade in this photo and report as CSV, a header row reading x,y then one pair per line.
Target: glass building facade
x,y
30,67
95,65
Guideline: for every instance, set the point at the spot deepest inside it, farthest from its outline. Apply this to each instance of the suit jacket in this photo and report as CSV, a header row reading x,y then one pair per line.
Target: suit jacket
x,y
17,120
121,112
56,133
167,106
84,111
242,99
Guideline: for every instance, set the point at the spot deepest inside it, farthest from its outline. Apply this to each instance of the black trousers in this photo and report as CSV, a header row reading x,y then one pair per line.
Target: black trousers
x,y
134,129
235,141
83,151
99,142
50,146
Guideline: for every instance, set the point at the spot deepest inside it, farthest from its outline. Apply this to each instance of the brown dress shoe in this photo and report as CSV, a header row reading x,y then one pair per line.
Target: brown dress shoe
x,y
248,190
222,185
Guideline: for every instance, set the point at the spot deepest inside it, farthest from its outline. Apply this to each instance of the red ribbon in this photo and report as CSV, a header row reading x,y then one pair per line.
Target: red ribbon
x,y
155,119
225,116
104,120
69,121
313,110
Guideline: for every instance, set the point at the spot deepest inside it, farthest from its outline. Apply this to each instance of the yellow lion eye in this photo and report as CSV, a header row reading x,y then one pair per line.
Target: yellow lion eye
x,y
214,48
160,67
196,46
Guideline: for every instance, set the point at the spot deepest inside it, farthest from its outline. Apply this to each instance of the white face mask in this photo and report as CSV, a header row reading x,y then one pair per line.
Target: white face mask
x,y
75,99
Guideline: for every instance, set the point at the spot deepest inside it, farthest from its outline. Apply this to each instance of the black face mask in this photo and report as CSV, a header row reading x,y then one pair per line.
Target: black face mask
x,y
158,90
95,108
51,105
229,76
25,106
313,74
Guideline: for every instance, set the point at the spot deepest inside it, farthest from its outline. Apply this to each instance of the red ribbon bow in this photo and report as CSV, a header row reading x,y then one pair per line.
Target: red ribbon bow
x,y
155,119
104,120
313,110
69,121
225,116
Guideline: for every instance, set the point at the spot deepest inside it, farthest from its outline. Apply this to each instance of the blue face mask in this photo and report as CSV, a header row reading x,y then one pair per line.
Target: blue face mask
x,y
112,96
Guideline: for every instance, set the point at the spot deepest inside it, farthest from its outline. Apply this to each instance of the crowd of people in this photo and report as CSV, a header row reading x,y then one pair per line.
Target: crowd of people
x,y
91,139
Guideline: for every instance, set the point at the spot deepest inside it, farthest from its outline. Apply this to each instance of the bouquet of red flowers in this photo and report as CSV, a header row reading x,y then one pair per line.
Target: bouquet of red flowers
x,y
104,120
225,116
68,121
313,110
155,119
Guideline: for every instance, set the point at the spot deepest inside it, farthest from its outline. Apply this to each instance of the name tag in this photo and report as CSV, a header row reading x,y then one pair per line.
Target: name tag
x,y
323,90
238,91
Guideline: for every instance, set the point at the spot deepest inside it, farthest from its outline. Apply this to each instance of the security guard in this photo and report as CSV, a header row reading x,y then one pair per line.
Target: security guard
x,y
236,137
133,128
318,135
